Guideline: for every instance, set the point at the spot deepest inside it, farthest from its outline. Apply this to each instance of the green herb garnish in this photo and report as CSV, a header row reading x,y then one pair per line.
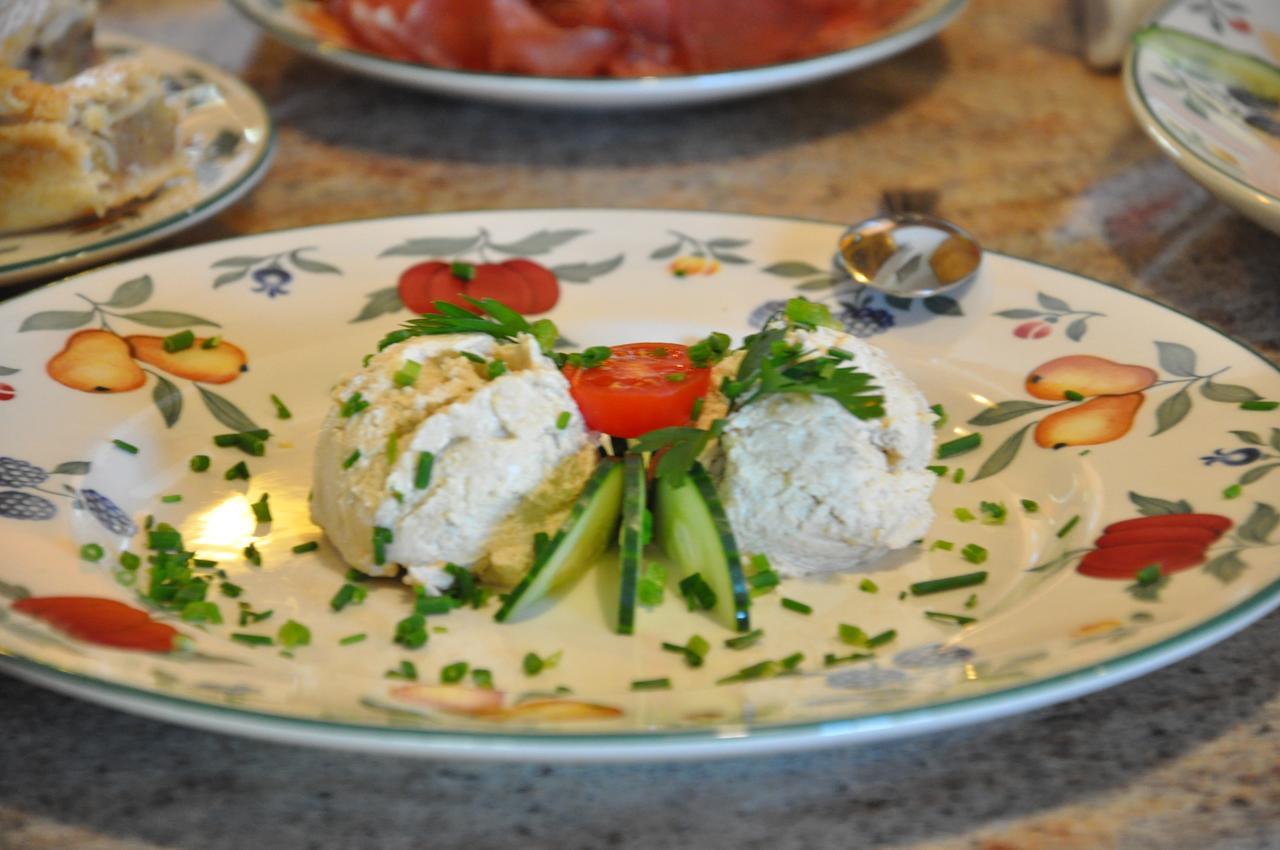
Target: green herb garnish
x,y
125,447
1259,405
350,639
1030,506
252,640
422,472
751,638
303,548
959,446
1071,523
407,670
282,412
954,619
261,510
453,673
407,374
496,320
868,586
92,552
239,471
199,463
662,684
562,421
797,606
939,585
180,341
252,555
697,593
973,553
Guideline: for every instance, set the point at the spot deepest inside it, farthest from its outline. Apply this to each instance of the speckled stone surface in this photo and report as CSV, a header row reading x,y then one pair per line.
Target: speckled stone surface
x,y
1035,154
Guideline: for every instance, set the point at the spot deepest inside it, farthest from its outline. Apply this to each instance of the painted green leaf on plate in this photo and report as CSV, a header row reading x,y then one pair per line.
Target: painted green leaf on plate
x,y
168,400
1172,411
432,246
585,272
56,320
1003,455
1006,410
541,242
381,302
1153,506
1177,359
131,293
792,268
225,411
1226,567
166,319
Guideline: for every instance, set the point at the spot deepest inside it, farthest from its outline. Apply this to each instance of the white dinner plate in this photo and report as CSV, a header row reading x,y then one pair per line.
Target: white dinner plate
x,y
282,20
1204,81
229,138
1171,430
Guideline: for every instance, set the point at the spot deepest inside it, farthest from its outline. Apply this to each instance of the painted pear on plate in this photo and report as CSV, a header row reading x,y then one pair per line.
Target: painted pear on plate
x,y
218,365
1099,420
1088,376
96,361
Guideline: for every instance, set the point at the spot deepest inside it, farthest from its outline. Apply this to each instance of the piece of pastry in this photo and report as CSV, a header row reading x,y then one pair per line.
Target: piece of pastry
x,y
82,147
51,39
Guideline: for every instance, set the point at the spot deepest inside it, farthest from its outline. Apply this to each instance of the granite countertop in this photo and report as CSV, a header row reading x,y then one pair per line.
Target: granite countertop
x,y
1038,156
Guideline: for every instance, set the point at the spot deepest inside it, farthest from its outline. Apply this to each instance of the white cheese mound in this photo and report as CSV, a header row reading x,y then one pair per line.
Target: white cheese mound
x,y
815,488
503,469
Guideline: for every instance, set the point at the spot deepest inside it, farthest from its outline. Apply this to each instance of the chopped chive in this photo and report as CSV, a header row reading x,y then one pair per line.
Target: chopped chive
x,y
851,635
832,660
203,563
407,374
481,677
697,593
942,415
973,553
211,342
261,510
248,615
230,590
1030,506
303,548
202,612
691,654
939,471
293,634
957,477
1072,395
463,271
130,561
180,341
240,471
411,632
282,412
697,408
881,639
474,358
381,537
996,513
796,605
868,586
1232,492
453,673
902,594
422,475
532,664
676,377
662,684
751,638
125,447
393,447
1259,405
252,555
761,670
651,588
92,552
407,670
939,585
839,353
171,499
1071,523
348,594
350,639
764,580
199,463
353,405
944,545
495,369
165,538
252,640
1148,575
562,421
972,601
955,619
959,446
964,514
351,459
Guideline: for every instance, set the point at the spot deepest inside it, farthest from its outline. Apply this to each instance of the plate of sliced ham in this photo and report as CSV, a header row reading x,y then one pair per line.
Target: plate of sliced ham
x,y
601,53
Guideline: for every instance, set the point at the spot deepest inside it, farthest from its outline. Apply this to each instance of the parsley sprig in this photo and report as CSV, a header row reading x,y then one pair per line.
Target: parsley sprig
x,y
770,366
494,318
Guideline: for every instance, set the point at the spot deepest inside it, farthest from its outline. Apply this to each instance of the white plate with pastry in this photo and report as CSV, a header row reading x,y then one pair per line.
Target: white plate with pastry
x,y
142,143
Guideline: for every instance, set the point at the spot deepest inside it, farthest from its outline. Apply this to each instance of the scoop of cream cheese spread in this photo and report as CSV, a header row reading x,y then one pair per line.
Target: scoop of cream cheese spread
x,y
812,486
505,462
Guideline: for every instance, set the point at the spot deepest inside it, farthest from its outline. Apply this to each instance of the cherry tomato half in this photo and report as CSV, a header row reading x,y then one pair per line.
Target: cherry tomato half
x,y
643,386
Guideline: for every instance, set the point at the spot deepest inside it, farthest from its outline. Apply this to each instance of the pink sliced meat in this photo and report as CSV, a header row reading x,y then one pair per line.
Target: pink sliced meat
x,y
376,24
574,13
525,42
449,33
754,32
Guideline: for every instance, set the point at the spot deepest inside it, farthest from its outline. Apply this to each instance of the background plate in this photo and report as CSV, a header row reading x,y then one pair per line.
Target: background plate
x,y
575,92
229,138
1177,433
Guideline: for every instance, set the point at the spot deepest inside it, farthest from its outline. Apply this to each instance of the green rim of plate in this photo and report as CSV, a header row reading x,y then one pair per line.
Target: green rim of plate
x,y
1161,132
251,172
249,8
948,713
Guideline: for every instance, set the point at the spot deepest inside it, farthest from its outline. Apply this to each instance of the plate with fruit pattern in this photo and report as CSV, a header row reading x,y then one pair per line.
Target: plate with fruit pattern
x,y
228,139
1110,497
1204,81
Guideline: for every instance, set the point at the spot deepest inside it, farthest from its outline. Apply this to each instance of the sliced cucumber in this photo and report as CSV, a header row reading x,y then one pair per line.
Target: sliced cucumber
x,y
695,534
631,540
577,545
